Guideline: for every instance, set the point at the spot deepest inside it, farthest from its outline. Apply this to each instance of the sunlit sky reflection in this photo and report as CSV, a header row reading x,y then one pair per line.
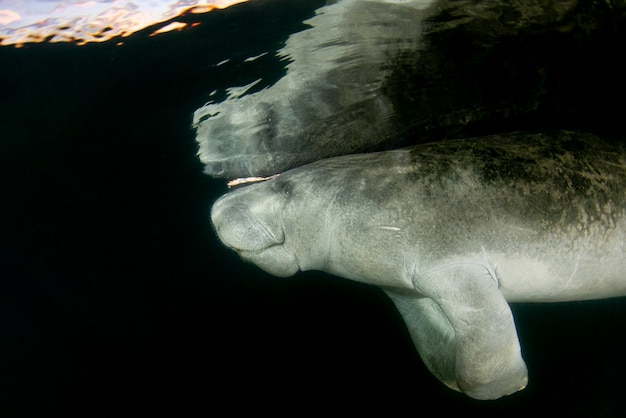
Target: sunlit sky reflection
x,y
83,21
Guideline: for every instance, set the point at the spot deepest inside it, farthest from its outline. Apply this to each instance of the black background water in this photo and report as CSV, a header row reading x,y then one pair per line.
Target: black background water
x,y
116,298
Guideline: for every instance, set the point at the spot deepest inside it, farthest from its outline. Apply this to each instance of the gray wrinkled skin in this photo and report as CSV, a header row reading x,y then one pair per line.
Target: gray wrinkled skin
x,y
452,231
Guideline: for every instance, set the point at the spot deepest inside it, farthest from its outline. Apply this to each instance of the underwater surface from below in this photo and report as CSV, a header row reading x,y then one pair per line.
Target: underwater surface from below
x,y
116,297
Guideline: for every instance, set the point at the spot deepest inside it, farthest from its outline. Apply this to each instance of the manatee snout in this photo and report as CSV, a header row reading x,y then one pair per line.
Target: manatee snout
x,y
249,221
244,221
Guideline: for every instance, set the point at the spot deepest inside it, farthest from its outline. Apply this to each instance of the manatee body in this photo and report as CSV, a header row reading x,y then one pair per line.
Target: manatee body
x,y
451,231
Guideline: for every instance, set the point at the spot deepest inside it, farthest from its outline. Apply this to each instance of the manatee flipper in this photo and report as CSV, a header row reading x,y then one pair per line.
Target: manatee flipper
x,y
464,331
431,332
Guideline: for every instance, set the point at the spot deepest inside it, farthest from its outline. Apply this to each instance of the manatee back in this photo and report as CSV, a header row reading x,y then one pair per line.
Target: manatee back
x,y
519,196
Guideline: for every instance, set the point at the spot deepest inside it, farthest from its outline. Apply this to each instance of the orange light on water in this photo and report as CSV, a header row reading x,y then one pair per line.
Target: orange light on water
x,y
170,27
85,21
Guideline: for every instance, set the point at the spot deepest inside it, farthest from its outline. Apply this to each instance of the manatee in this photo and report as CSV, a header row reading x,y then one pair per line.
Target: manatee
x,y
452,231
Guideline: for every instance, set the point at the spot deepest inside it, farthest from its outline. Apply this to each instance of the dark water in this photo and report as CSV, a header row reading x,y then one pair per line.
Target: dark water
x,y
117,299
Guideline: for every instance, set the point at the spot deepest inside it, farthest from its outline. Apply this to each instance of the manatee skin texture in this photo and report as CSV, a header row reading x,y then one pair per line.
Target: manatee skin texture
x,y
451,231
